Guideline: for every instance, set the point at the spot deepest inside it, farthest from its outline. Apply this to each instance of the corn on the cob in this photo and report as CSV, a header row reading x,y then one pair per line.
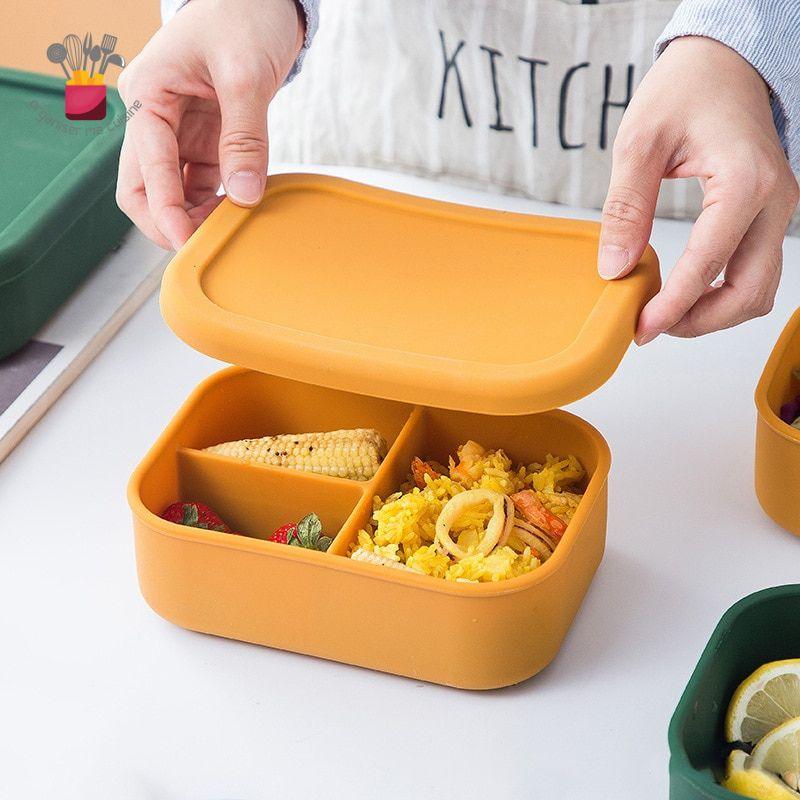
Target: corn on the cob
x,y
354,454
365,556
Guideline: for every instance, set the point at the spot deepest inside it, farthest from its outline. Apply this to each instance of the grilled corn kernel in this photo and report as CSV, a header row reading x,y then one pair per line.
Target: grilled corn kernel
x,y
354,454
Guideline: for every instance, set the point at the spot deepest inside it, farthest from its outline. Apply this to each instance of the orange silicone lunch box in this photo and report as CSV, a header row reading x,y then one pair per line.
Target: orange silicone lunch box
x,y
348,306
777,470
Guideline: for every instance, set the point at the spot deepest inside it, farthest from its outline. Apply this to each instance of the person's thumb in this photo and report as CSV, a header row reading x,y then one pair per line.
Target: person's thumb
x,y
628,210
243,147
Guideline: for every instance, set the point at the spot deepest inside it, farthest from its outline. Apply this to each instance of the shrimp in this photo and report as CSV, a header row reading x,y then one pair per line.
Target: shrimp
x,y
419,469
533,510
468,456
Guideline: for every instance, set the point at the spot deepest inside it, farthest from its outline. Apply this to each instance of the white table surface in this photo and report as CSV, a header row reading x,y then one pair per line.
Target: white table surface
x,y
100,698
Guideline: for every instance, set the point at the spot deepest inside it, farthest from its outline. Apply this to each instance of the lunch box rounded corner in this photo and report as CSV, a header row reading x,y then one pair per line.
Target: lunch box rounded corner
x,y
471,636
762,627
777,452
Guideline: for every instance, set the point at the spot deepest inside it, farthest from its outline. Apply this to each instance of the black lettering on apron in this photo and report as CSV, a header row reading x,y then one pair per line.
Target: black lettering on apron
x,y
533,63
498,121
562,108
450,63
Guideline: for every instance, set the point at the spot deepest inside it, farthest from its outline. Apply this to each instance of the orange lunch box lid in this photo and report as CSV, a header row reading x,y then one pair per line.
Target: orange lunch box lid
x,y
385,294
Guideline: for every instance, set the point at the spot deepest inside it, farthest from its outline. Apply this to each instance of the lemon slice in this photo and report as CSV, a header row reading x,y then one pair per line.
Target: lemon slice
x,y
769,697
742,778
779,752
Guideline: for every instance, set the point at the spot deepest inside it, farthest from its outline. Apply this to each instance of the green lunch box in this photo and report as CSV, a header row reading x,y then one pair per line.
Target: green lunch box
x,y
761,628
58,216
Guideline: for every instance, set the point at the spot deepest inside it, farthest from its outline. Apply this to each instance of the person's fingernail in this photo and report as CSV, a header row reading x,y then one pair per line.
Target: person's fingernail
x,y
645,338
245,187
612,261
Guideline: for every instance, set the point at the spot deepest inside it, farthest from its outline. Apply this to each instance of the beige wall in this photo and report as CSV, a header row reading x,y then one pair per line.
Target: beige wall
x,y
33,24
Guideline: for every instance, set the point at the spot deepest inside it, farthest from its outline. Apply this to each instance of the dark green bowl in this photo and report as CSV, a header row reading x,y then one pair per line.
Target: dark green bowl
x,y
763,627
58,216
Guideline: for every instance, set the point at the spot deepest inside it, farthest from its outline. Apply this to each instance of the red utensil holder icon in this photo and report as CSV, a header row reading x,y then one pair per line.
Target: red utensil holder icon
x,y
85,102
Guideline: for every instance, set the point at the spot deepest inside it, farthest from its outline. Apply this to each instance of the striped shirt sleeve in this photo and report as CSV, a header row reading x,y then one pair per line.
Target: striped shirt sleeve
x,y
310,8
764,32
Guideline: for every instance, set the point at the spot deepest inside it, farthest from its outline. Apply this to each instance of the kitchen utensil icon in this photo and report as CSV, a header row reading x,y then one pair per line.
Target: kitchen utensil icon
x,y
85,93
87,48
116,59
74,51
107,46
94,56
57,53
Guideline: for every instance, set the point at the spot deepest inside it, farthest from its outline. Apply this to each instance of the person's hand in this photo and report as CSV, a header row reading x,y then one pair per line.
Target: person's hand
x,y
204,82
701,111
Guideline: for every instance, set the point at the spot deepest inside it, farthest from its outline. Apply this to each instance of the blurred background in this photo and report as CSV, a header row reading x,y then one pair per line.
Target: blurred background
x,y
39,22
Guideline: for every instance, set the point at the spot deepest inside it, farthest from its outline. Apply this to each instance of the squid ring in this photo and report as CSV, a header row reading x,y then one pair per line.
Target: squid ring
x,y
497,530
531,536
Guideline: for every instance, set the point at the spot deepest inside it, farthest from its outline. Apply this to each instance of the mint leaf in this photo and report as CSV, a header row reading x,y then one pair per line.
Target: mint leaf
x,y
190,515
306,538
309,530
324,543
312,523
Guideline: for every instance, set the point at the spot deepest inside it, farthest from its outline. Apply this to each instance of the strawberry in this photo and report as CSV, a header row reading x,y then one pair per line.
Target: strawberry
x,y
306,533
284,534
195,515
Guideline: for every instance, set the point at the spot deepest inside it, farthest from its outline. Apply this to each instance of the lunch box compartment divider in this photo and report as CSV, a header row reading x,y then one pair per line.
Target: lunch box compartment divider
x,y
391,473
435,435
255,500
760,628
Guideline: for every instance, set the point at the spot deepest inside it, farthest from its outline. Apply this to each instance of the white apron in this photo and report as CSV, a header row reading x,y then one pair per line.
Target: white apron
x,y
517,96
